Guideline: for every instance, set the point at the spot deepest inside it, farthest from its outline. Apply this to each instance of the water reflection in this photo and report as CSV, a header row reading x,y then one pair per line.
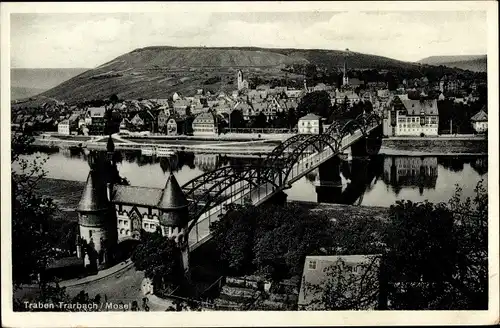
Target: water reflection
x,y
410,171
379,181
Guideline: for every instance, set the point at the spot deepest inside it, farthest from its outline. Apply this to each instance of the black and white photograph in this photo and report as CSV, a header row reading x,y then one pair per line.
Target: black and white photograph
x,y
307,159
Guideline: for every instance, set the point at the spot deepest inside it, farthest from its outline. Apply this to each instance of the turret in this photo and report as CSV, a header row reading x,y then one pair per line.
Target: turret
x,y
174,216
96,222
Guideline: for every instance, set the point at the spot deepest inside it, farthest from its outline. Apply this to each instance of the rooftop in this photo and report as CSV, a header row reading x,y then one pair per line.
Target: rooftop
x,y
94,196
480,116
172,197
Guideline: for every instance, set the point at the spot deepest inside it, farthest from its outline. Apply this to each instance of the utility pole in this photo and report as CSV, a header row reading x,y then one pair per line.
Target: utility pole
x,y
451,125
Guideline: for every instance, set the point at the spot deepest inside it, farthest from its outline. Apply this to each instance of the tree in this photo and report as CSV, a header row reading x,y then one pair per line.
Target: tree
x,y
433,257
160,259
260,121
470,282
236,120
233,237
271,239
113,99
317,102
32,249
291,118
437,254
285,236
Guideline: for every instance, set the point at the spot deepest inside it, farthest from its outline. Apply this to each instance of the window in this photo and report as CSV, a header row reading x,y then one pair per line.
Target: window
x,y
312,265
125,223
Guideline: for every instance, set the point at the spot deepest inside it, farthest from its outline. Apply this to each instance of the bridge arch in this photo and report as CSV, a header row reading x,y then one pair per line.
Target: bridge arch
x,y
211,196
318,142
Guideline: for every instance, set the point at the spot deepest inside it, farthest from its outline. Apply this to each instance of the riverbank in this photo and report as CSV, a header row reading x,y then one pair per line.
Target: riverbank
x,y
442,145
66,194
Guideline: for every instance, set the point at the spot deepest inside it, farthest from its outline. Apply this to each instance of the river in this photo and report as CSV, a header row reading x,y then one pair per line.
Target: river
x,y
380,181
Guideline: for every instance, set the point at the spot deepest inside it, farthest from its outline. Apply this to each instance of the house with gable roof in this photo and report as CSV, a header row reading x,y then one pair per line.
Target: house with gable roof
x,y
480,121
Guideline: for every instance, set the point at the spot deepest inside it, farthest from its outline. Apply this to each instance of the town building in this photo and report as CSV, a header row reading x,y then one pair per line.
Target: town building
x,y
412,117
63,127
205,124
480,121
174,126
144,121
245,108
181,106
162,118
310,124
95,120
348,97
359,275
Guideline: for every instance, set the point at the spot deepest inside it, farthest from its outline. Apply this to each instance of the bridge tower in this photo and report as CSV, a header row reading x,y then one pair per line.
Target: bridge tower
x,y
174,217
96,219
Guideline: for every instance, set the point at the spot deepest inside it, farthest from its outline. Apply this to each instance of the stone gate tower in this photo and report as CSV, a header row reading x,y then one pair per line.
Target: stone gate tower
x,y
96,220
174,217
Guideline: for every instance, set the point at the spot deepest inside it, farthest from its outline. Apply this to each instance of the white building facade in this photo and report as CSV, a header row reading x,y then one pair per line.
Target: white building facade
x,y
310,124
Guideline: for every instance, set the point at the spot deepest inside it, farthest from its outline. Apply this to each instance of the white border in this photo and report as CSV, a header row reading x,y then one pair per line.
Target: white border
x,y
205,319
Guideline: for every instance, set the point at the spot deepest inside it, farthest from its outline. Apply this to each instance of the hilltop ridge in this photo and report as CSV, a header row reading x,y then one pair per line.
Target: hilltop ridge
x,y
475,63
159,71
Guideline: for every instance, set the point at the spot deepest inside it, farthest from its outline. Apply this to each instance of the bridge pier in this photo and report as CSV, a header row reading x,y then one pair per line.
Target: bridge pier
x,y
329,184
278,198
359,148
368,145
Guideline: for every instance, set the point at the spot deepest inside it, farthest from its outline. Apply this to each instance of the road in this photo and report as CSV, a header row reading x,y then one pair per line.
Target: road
x,y
122,287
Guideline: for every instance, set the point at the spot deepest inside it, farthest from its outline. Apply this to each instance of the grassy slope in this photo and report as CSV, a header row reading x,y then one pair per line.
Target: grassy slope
x,y
157,72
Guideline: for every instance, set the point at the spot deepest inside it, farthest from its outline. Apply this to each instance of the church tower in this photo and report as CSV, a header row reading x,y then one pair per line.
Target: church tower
x,y
345,79
240,80
174,217
95,215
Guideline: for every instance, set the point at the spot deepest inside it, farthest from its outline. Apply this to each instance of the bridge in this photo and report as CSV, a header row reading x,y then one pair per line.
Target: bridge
x,y
211,192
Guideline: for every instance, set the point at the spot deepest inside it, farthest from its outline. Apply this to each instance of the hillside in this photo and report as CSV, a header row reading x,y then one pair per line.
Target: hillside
x,y
22,92
473,63
157,72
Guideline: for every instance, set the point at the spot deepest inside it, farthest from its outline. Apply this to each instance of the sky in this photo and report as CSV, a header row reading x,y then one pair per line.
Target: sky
x,y
87,40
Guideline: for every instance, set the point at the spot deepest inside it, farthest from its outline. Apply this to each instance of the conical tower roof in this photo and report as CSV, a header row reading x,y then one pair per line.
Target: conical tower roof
x,y
172,196
94,196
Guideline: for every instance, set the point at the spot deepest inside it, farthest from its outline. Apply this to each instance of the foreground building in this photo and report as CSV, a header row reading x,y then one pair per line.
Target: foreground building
x,y
480,121
353,279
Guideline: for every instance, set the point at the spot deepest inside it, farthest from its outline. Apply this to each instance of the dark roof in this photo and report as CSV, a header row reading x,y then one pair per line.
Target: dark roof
x,y
172,197
169,198
133,195
310,116
94,196
414,107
